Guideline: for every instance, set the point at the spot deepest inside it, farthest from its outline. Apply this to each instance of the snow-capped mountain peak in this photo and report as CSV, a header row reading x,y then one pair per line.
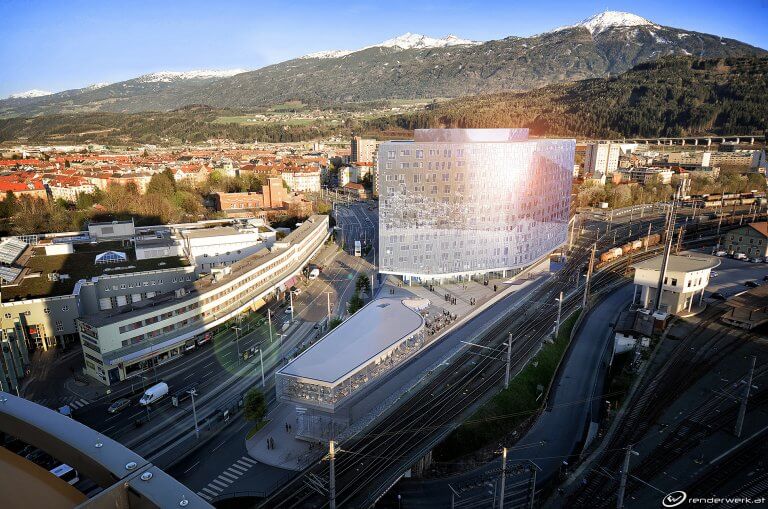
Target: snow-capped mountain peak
x,y
418,41
331,53
29,94
95,86
610,19
170,76
404,42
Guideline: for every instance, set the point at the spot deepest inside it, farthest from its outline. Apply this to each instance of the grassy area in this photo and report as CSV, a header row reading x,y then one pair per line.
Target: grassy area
x,y
512,406
256,428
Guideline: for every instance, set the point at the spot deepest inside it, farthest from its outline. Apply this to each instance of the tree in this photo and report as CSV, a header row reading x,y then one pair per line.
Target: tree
x,y
335,322
255,405
355,303
9,205
368,181
162,184
363,284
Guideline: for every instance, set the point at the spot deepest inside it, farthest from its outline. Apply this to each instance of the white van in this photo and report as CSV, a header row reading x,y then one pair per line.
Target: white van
x,y
314,274
154,393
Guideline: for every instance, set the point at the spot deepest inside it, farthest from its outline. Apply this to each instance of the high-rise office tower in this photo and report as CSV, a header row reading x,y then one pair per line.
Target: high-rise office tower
x,y
460,202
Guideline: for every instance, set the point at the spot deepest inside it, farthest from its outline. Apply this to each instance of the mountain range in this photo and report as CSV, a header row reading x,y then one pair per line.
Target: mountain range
x,y
411,66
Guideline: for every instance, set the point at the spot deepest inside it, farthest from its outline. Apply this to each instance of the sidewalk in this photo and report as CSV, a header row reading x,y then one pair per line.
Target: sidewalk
x,y
289,452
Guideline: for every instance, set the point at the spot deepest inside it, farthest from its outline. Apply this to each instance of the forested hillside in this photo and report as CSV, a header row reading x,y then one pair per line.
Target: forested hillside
x,y
671,97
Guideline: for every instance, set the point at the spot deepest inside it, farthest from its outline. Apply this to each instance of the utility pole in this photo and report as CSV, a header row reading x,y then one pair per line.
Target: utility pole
x,y
503,476
290,293
745,397
589,276
269,320
261,362
237,342
509,361
559,313
650,225
669,232
624,474
194,412
332,481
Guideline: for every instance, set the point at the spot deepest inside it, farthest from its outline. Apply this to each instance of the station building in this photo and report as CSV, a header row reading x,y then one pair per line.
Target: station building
x,y
361,351
123,342
684,283
454,203
50,283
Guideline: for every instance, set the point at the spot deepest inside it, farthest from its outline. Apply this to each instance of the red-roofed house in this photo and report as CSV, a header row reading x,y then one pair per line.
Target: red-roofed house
x,y
355,190
31,188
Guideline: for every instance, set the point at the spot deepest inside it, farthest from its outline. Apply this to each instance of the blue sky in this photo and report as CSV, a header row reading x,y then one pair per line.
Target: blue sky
x,y
62,44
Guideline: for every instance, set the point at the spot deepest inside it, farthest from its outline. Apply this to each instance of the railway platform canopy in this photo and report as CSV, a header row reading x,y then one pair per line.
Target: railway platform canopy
x,y
372,342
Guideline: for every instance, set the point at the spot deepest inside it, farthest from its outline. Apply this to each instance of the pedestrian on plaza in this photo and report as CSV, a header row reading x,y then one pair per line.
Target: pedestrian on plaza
x,y
286,426
494,288
268,444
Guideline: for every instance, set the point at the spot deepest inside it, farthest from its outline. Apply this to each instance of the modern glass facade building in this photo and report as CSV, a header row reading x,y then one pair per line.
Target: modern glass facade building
x,y
460,202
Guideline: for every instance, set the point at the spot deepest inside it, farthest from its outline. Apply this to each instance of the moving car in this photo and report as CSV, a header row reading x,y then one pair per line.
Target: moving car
x,y
751,284
717,296
714,274
119,405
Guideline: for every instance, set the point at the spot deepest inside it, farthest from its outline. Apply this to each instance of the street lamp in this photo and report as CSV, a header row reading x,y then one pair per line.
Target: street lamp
x,y
192,393
237,341
261,361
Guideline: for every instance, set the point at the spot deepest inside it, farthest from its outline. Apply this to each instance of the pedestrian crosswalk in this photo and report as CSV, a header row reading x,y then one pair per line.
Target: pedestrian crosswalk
x,y
74,402
226,478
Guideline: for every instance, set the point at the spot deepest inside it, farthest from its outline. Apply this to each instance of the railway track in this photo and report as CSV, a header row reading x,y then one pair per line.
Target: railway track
x,y
371,463
690,360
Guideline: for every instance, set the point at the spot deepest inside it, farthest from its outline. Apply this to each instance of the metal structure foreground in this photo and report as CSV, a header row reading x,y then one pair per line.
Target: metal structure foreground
x,y
127,480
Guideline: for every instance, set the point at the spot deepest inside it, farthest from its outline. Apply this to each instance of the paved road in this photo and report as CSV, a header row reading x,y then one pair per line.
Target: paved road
x,y
358,221
215,467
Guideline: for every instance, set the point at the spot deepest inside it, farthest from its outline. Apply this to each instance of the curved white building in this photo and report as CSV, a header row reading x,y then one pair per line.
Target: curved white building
x,y
459,202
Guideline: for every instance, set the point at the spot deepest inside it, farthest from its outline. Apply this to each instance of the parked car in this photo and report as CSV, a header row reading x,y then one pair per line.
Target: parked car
x,y
289,310
765,278
739,256
717,296
295,291
721,253
714,274
756,260
119,405
751,284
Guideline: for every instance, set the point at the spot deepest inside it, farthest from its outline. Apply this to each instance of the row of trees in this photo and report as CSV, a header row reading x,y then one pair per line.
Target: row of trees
x,y
164,202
